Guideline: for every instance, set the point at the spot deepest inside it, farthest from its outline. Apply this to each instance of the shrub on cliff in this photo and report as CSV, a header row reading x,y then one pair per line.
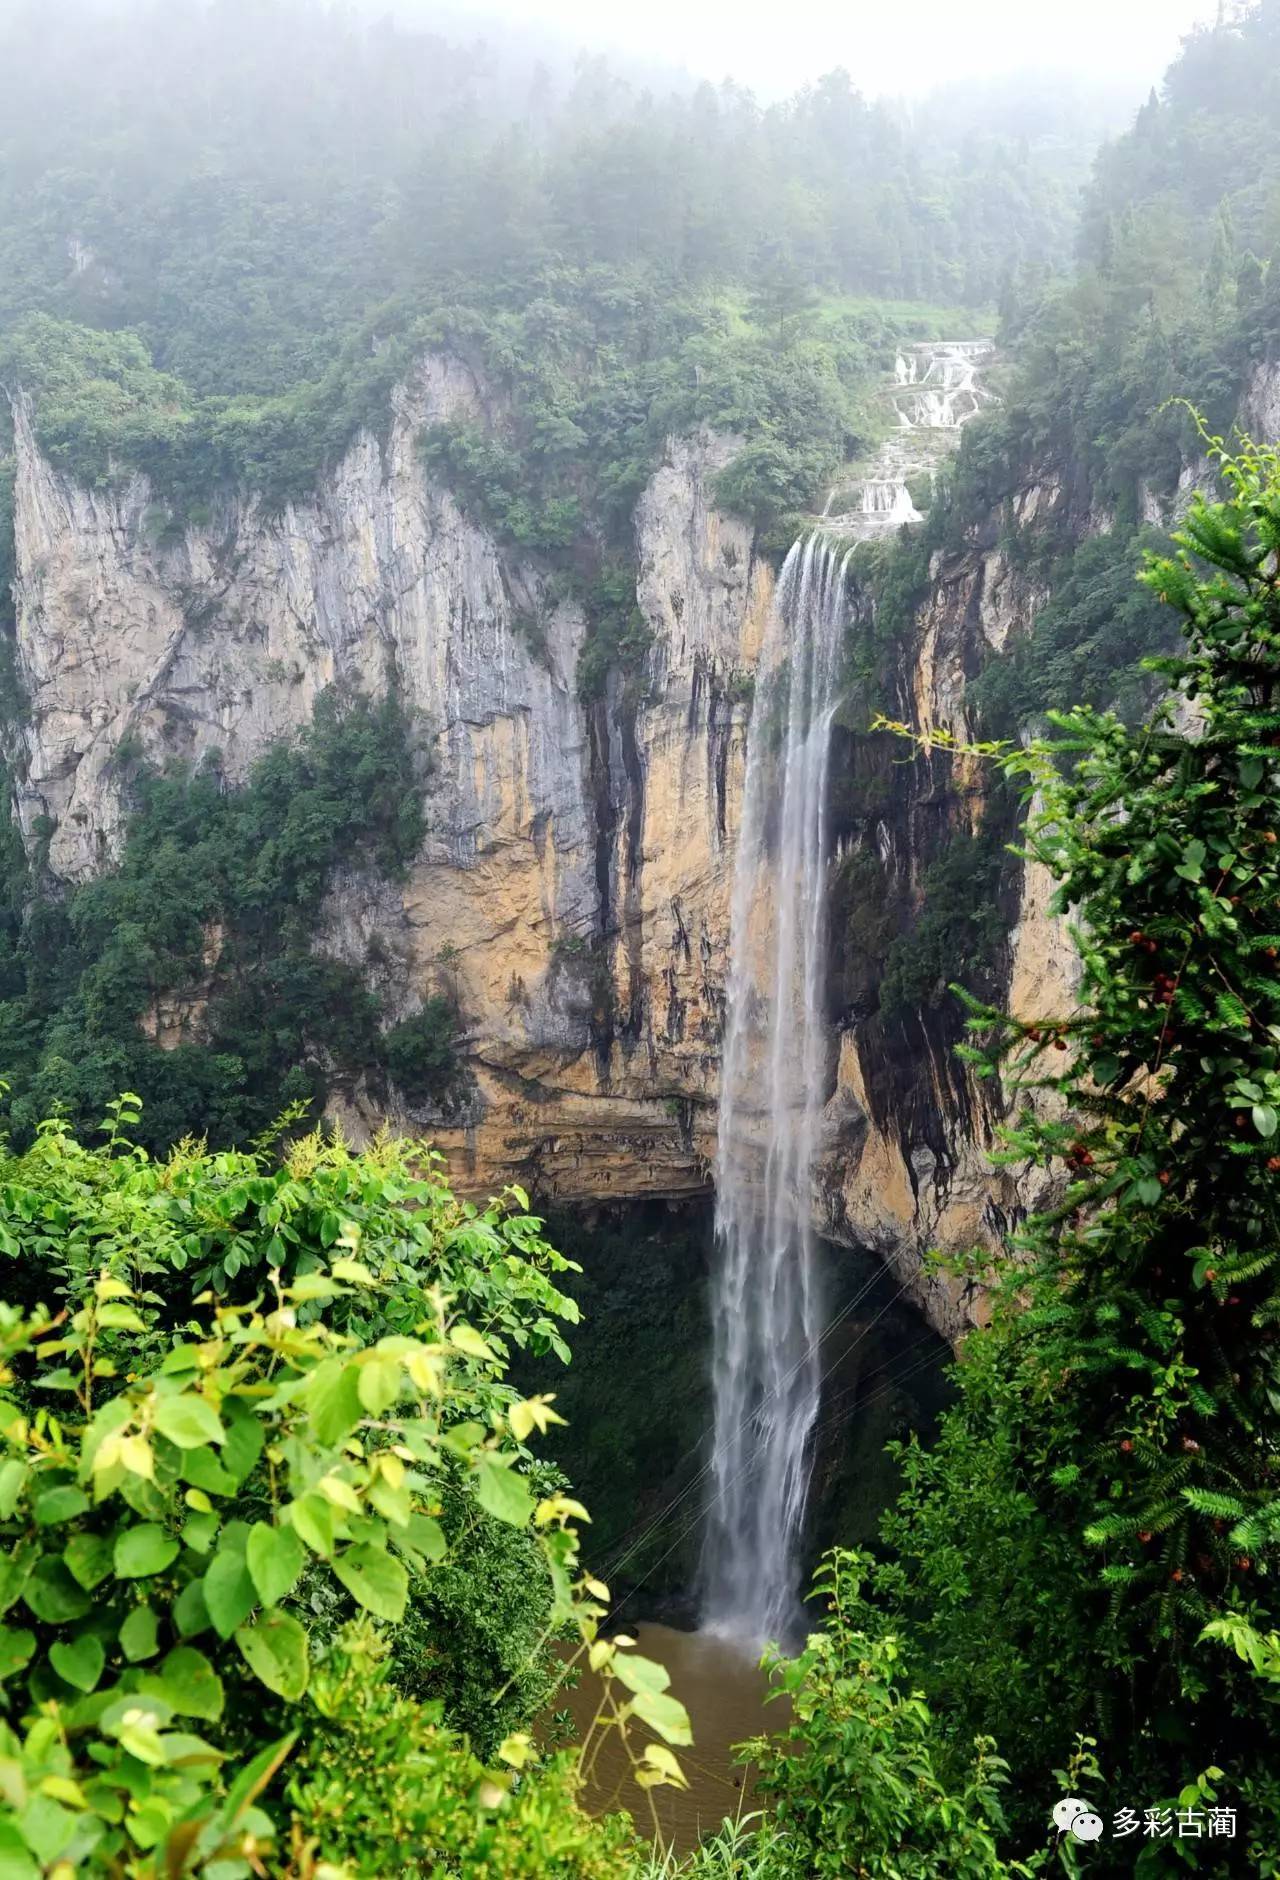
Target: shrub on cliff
x,y
1101,1520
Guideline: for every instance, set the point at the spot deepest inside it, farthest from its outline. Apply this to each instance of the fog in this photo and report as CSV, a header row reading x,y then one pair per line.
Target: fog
x,y
894,50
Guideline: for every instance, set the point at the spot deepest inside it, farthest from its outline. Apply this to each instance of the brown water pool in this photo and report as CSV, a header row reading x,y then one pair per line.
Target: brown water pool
x,y
723,1689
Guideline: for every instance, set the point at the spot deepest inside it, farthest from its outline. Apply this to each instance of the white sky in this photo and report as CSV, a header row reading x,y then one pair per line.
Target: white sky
x,y
775,45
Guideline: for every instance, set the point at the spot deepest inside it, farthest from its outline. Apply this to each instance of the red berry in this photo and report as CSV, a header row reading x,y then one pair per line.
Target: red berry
x,y
1126,1447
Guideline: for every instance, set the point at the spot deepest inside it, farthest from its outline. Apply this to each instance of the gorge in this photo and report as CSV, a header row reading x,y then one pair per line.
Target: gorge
x,y
594,879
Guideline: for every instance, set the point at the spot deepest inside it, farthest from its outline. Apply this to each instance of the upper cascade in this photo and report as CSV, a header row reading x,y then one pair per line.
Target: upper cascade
x,y
936,389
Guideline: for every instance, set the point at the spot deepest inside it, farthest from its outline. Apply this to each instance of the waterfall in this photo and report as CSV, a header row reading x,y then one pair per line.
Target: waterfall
x,y
945,396
889,502
767,1313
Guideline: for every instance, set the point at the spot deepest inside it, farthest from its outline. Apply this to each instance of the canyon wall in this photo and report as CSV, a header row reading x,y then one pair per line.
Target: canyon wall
x,y
572,892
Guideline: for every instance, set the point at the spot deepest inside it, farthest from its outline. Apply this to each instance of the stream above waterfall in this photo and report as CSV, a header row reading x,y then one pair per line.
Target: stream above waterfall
x,y
936,388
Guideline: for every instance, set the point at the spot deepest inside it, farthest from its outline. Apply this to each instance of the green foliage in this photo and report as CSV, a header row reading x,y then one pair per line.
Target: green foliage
x,y
959,928
1103,1506
854,1770
234,1523
198,282
378,1783
1087,641
419,1052
210,916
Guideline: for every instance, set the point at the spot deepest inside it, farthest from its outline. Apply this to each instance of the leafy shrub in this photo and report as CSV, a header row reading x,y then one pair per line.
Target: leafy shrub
x,y
1101,1514
853,1774
193,1491
420,1052
214,906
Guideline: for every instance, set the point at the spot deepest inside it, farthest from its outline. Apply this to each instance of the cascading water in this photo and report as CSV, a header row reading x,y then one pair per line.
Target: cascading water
x,y
767,1310
889,502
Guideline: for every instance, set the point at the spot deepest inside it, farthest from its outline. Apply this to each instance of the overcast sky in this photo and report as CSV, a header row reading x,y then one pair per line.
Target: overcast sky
x,y
775,45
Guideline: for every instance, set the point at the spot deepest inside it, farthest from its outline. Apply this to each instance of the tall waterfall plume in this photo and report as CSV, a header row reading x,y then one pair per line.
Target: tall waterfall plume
x,y
767,1312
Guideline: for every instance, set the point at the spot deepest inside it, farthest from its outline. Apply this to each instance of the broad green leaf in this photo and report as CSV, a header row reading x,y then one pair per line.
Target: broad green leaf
x,y
659,1757
191,1684
244,1440
425,1535
13,1475
375,1580
143,1740
255,1775
309,1287
465,1338
313,1518
140,1635
275,1649
378,1384
275,1557
393,1504
200,1531
53,1595
203,1469
501,1492
640,1674
15,1567
143,1550
189,1421
79,1660
16,1859
664,1714
120,1318
1264,1119
89,1557
333,1400
16,1647
190,1613
229,1593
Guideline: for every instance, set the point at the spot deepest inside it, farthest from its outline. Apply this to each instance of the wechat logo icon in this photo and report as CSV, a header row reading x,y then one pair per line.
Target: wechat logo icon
x,y
1076,1818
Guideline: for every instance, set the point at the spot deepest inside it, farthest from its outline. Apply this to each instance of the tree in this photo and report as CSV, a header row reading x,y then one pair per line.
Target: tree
x,y
1129,1387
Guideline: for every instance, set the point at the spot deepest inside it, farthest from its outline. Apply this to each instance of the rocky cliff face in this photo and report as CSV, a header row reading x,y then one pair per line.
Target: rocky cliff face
x,y
572,892
573,889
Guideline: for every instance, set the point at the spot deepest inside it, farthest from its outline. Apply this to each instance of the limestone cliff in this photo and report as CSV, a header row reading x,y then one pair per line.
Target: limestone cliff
x,y
572,893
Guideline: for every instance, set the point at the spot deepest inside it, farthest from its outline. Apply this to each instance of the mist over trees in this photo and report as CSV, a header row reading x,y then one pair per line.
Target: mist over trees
x,y
241,183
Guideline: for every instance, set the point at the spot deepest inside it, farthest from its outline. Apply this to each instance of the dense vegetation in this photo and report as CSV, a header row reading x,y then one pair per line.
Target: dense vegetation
x,y
283,1582
1090,1548
226,290
264,1487
201,280
191,973
1078,472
